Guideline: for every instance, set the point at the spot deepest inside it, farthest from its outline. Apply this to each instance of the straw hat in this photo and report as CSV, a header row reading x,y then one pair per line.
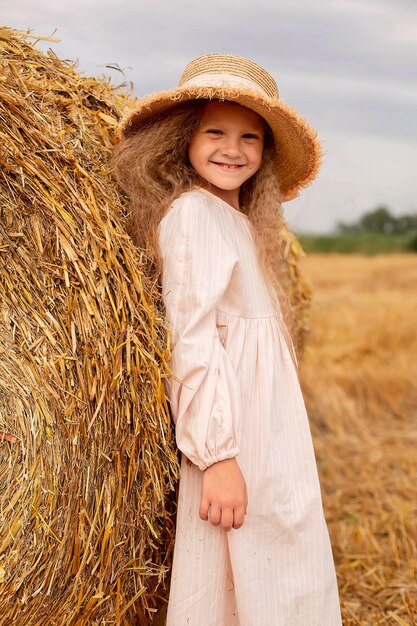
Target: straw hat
x,y
231,77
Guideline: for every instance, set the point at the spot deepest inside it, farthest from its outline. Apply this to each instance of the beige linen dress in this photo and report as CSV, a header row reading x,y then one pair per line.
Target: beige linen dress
x,y
236,394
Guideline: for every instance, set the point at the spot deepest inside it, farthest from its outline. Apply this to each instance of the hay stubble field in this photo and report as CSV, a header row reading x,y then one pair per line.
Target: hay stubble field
x,y
359,376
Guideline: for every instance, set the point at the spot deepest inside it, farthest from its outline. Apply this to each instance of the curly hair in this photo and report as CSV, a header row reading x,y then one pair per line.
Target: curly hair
x,y
152,168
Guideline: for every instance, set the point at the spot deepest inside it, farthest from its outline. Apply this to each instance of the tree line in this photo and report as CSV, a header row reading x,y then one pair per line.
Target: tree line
x,y
380,220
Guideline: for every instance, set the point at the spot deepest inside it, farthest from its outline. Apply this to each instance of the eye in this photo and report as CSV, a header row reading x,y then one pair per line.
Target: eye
x,y
251,136
214,131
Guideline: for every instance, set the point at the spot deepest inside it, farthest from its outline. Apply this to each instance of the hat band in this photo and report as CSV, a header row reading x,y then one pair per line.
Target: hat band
x,y
223,80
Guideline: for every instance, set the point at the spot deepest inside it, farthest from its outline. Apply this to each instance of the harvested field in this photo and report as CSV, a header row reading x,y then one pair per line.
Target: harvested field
x,y
359,377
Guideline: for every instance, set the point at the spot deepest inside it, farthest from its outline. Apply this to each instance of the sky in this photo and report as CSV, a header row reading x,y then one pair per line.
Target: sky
x,y
349,67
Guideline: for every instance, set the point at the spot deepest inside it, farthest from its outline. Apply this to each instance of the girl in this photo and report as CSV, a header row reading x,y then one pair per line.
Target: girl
x,y
206,167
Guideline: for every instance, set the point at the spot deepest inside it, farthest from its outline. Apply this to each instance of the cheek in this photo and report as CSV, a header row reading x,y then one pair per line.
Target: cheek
x,y
257,157
191,151
196,156
194,153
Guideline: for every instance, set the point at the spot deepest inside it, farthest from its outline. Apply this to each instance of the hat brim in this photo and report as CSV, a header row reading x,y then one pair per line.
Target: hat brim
x,y
298,153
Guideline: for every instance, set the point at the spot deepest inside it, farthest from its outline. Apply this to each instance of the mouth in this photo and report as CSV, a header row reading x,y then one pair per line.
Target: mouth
x,y
229,167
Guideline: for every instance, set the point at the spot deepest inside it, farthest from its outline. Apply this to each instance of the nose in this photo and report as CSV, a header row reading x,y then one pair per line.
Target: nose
x,y
230,147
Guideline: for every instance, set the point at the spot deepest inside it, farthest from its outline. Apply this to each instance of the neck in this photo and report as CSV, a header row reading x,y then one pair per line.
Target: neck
x,y
231,196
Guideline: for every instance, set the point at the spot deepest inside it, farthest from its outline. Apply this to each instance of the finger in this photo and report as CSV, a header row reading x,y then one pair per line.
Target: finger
x,y
227,519
215,514
238,517
203,510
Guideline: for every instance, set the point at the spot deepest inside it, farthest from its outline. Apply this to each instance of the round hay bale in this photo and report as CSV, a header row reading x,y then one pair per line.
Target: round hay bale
x,y
88,462
301,290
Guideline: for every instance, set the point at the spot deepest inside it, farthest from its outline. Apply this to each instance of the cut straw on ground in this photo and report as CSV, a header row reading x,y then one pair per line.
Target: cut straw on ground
x,y
359,375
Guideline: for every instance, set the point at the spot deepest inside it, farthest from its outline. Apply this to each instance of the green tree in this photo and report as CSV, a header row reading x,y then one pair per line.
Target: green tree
x,y
380,220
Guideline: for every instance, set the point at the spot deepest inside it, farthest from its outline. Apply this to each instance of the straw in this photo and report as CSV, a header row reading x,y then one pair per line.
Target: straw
x,y
359,374
88,461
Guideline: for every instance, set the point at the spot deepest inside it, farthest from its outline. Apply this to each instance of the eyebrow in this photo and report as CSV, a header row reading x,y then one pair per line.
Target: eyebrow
x,y
249,129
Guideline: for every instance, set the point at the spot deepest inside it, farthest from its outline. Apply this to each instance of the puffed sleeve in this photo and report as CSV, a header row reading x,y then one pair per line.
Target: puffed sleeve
x,y
203,392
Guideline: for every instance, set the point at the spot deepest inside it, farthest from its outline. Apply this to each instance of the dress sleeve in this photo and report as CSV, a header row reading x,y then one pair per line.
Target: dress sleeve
x,y
203,391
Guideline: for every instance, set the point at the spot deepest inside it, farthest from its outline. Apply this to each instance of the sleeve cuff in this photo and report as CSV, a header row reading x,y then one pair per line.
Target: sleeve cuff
x,y
222,456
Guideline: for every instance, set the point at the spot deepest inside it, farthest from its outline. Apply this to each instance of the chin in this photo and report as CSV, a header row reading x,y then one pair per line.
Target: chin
x,y
226,186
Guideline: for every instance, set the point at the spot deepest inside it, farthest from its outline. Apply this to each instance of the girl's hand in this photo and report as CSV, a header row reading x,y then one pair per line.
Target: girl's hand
x,y
224,492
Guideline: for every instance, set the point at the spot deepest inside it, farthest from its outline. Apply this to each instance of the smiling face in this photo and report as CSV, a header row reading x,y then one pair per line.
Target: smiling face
x,y
227,148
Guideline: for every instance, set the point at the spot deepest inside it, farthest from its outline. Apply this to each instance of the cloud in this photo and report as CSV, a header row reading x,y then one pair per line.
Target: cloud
x,y
358,173
348,66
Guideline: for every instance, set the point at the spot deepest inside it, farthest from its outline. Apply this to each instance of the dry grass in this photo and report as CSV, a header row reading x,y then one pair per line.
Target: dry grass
x,y
359,378
88,461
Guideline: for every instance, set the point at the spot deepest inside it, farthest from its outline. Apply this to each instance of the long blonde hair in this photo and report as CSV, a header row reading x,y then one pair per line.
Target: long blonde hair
x,y
152,167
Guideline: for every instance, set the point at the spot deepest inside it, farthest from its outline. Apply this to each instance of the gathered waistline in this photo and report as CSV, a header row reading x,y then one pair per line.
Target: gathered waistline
x,y
242,317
